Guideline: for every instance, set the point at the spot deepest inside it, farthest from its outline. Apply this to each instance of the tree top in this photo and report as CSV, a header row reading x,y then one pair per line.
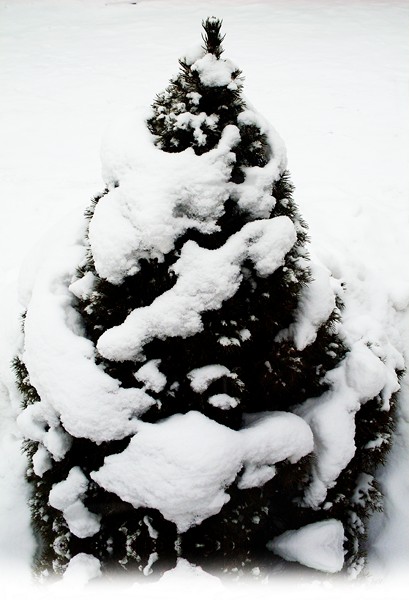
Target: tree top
x,y
212,37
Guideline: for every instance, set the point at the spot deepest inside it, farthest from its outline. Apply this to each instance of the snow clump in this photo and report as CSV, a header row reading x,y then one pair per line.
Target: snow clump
x,y
318,546
182,465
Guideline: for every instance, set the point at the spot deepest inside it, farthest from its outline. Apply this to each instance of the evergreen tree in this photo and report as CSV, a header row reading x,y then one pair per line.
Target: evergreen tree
x,y
248,362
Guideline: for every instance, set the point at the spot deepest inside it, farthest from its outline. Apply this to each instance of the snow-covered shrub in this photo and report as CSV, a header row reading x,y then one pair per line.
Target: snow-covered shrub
x,y
189,389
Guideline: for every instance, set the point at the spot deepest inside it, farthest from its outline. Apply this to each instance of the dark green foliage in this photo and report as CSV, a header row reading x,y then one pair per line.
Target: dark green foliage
x,y
357,493
27,391
270,374
186,92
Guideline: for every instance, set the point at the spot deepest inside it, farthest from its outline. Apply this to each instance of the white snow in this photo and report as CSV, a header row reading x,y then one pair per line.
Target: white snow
x,y
38,427
74,390
67,496
151,561
143,217
333,78
182,465
41,461
187,119
319,545
316,304
201,378
83,287
151,376
193,54
254,194
361,375
152,532
214,72
365,372
81,569
206,278
223,401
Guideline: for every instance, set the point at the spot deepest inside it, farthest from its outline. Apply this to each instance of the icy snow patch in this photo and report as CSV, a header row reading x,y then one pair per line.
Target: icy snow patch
x,y
182,465
206,278
153,557
67,496
318,546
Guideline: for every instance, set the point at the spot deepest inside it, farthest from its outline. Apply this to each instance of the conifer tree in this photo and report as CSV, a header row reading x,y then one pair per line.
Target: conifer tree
x,y
257,338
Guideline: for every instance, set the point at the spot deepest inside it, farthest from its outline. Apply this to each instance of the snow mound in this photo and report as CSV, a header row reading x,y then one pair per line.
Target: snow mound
x,y
81,569
183,465
317,302
318,546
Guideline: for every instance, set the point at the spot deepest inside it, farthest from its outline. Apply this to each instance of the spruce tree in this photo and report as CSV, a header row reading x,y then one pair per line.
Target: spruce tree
x,y
259,353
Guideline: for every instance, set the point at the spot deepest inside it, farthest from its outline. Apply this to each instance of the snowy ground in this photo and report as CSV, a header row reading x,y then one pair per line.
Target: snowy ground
x,y
331,76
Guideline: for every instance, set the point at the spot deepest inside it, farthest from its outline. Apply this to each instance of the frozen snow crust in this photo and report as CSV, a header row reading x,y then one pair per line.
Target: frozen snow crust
x,y
183,465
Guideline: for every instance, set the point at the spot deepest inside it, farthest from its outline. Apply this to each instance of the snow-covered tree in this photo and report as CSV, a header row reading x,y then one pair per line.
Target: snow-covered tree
x,y
189,388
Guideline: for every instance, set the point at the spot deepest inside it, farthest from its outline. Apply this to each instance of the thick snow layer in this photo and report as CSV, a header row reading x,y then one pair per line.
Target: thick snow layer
x,y
360,376
183,465
337,89
319,545
151,376
316,304
144,215
81,569
83,287
67,496
214,72
74,391
180,466
206,278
